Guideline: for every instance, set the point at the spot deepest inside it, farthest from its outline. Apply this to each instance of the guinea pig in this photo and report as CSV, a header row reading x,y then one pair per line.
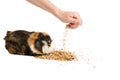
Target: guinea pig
x,y
27,43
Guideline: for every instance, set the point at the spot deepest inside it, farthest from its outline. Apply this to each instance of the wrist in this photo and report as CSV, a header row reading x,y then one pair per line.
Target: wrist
x,y
57,12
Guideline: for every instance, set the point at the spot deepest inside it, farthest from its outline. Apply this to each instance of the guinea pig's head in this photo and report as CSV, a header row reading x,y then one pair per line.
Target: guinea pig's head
x,y
43,42
40,42
45,38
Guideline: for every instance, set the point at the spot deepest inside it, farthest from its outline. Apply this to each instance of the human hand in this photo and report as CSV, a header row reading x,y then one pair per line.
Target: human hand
x,y
72,18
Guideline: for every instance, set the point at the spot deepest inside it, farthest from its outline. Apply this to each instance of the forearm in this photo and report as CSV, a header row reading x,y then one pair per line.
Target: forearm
x,y
46,5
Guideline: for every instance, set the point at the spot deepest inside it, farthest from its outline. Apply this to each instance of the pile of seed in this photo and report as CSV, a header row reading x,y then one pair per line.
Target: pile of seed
x,y
58,55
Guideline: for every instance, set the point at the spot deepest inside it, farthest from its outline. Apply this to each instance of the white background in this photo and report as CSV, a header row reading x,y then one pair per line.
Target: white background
x,y
97,40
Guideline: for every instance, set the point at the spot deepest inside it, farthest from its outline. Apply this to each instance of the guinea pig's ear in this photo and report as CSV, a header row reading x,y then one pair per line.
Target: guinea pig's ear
x,y
38,45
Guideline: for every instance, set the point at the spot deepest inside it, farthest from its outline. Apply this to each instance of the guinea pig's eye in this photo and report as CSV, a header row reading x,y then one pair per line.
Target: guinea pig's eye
x,y
41,36
50,41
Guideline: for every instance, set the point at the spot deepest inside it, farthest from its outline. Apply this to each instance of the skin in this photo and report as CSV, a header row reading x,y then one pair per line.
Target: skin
x,y
72,19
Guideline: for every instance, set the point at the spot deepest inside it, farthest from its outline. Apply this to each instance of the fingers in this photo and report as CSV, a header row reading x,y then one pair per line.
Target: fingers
x,y
72,25
75,22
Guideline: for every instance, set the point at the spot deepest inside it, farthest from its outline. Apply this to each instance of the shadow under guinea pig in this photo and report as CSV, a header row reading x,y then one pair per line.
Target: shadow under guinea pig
x,y
23,42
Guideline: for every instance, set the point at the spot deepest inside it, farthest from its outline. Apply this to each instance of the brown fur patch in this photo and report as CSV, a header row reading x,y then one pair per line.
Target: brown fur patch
x,y
32,38
31,41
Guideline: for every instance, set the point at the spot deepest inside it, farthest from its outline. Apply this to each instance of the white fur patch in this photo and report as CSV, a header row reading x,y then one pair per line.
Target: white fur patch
x,y
34,50
46,48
